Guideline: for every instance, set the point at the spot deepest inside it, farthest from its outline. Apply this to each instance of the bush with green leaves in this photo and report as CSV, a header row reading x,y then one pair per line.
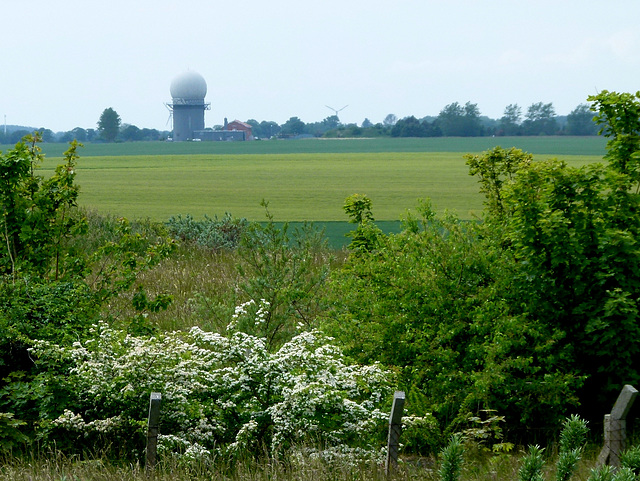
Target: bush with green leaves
x,y
532,311
222,395
572,235
54,281
211,233
432,302
37,216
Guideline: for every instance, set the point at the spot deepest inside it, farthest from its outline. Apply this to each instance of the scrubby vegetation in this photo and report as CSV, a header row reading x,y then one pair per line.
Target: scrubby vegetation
x,y
270,348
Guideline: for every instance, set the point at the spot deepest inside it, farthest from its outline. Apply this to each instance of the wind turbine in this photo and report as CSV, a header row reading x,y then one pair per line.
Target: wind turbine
x,y
336,111
170,115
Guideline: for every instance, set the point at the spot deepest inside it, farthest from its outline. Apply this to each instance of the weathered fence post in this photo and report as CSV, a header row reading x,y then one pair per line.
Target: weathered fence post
x,y
395,429
615,427
152,429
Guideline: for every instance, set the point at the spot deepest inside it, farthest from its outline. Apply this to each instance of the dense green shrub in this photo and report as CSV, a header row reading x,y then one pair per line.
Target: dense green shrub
x,y
211,233
37,216
572,235
54,280
433,302
531,312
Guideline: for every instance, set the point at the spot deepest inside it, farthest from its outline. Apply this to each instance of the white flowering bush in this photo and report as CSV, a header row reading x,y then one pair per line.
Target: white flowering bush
x,y
221,394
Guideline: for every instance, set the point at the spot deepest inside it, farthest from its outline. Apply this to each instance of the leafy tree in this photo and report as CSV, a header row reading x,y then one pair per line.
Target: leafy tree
x,y
450,118
265,129
494,169
79,134
472,125
92,134
53,281
17,135
432,301
540,120
65,136
255,126
269,129
331,122
580,121
511,120
293,126
367,235
150,134
457,120
618,114
46,135
390,120
366,123
130,133
531,312
409,127
109,124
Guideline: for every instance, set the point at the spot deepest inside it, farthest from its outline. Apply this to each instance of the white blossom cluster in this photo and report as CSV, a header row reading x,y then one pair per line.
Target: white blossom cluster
x,y
225,394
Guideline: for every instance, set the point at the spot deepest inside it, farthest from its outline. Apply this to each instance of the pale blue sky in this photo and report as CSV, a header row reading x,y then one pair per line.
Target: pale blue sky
x,y
64,62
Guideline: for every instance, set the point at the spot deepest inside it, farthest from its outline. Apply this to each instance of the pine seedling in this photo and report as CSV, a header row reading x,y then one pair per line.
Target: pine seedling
x,y
631,459
624,474
572,440
574,434
452,458
601,473
531,469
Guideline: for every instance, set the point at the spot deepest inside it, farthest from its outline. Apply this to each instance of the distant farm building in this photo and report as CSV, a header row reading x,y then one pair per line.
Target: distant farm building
x,y
187,108
232,131
237,126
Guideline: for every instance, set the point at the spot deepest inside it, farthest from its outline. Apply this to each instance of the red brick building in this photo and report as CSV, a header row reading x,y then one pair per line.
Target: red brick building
x,y
240,126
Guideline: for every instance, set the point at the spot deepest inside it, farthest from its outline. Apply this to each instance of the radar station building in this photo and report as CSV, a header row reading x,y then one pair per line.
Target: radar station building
x,y
187,107
188,91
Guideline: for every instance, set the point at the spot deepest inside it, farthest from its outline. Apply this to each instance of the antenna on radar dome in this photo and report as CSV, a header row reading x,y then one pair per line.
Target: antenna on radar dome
x,y
338,110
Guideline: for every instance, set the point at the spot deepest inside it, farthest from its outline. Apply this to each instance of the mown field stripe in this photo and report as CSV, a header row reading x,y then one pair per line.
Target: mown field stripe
x,y
553,145
299,187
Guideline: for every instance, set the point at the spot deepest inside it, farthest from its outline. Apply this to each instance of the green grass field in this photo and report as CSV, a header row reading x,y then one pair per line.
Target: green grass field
x,y
537,145
305,180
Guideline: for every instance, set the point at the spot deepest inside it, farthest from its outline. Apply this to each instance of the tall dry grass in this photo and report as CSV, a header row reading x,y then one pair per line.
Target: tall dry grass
x,y
478,466
204,285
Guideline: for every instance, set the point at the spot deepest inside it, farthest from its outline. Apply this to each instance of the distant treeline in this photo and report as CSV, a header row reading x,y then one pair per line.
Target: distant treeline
x,y
454,120
127,133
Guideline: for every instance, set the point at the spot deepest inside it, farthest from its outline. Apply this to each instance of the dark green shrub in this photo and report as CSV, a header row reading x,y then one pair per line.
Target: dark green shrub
x,y
55,279
211,233
630,458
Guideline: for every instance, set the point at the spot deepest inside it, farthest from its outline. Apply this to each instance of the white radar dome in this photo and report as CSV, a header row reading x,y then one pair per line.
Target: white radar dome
x,y
189,85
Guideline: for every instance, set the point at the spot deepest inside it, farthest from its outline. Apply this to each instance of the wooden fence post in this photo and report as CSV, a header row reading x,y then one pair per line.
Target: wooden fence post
x,y
152,429
615,427
395,429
